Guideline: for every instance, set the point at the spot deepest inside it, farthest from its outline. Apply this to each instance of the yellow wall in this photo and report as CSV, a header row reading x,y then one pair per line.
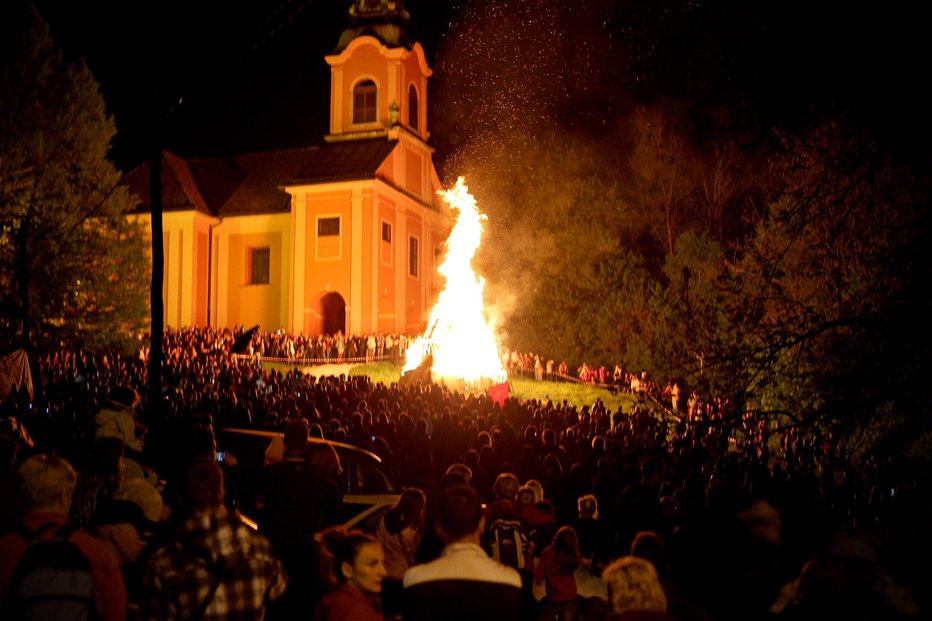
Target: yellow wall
x,y
184,285
234,300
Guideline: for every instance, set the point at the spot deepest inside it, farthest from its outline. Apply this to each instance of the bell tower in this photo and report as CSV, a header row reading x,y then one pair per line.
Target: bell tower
x,y
378,80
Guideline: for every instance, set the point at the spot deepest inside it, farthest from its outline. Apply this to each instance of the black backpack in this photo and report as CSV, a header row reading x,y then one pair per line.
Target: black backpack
x,y
508,542
52,579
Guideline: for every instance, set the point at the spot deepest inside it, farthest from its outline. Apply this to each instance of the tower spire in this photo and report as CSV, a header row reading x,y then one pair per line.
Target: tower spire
x,y
383,19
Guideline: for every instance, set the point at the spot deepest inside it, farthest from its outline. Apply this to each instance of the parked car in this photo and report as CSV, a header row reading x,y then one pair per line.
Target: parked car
x,y
368,488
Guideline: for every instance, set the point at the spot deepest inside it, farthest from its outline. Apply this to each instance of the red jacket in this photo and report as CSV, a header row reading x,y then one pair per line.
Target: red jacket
x,y
109,590
348,603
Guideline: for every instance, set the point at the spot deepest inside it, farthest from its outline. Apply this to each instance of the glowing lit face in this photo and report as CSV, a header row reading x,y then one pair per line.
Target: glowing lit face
x,y
368,569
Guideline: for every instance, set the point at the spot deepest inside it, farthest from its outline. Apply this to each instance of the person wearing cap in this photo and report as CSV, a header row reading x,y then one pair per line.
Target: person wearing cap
x,y
121,526
118,418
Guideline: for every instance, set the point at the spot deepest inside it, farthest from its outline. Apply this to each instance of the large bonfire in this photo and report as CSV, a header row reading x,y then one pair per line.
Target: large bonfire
x,y
459,337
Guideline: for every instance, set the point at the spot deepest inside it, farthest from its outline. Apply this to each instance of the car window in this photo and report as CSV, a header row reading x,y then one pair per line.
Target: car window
x,y
367,477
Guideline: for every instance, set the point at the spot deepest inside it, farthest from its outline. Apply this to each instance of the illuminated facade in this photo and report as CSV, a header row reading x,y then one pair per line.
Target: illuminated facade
x,y
341,236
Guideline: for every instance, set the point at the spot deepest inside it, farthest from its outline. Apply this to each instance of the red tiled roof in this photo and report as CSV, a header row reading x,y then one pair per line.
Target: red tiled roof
x,y
345,161
251,183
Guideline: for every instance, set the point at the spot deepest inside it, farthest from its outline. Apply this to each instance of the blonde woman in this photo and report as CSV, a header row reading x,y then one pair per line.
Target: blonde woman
x,y
634,590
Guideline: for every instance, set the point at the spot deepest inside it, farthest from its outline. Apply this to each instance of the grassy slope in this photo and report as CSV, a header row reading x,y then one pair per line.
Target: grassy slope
x,y
521,387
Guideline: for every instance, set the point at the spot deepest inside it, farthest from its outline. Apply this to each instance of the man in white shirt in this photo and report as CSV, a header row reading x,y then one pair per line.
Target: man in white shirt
x,y
464,583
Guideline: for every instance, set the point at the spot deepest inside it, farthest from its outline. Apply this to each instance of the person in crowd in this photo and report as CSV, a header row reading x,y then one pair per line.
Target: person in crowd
x,y
399,532
118,418
464,583
295,502
121,525
146,497
593,540
557,567
652,547
99,481
217,567
13,505
634,590
507,537
358,566
48,484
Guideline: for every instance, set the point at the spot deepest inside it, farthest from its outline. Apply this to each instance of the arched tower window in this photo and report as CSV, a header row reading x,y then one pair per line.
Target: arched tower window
x,y
364,101
412,107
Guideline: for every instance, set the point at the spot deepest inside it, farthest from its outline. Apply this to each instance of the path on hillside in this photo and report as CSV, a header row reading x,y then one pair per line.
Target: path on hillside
x,y
324,370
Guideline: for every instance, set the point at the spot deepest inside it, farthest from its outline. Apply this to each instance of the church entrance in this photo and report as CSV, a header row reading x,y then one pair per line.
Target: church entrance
x,y
333,312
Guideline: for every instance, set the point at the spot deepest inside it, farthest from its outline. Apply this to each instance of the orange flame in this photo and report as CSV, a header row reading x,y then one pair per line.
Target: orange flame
x,y
458,333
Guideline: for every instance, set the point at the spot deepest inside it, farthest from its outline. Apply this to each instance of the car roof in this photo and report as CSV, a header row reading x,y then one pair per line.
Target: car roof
x,y
311,440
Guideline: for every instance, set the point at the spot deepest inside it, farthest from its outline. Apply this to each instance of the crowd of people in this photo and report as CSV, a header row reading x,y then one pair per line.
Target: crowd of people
x,y
339,347
534,510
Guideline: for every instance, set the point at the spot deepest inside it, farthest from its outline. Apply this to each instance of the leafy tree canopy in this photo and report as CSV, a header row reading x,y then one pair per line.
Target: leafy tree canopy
x,y
72,266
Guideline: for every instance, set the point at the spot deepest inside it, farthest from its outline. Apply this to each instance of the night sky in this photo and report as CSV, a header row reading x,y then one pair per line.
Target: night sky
x,y
251,76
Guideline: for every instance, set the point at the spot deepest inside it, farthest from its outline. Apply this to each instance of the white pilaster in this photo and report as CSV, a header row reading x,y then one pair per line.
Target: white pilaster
x,y
355,301
299,243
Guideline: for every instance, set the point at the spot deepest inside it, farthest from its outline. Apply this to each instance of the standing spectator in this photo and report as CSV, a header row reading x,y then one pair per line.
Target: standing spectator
x,y
296,501
557,567
592,537
370,349
100,481
359,569
217,568
507,536
464,584
118,418
634,590
399,532
48,484
120,524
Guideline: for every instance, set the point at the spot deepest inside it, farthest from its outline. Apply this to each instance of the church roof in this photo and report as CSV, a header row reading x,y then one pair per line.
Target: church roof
x,y
345,161
251,183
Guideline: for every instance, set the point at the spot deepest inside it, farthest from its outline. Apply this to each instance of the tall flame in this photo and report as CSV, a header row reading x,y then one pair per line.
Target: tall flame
x,y
458,332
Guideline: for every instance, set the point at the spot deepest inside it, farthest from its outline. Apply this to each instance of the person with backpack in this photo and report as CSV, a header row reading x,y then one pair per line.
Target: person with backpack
x,y
50,570
506,537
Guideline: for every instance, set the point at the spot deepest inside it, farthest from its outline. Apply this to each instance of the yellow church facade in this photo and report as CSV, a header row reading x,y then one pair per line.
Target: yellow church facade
x,y
343,236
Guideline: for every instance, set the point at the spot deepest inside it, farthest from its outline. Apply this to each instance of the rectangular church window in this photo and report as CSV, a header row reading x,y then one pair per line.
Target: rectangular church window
x,y
386,232
412,256
328,226
259,259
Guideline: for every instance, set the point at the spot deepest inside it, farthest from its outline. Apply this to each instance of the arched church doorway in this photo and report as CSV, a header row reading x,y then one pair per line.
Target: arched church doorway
x,y
333,312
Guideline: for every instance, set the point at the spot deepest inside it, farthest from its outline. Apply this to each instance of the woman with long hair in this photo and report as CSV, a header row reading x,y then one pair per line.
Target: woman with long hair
x,y
557,566
358,569
399,532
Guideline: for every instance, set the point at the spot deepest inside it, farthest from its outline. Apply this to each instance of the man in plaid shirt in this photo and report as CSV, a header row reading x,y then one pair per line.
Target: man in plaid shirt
x,y
217,568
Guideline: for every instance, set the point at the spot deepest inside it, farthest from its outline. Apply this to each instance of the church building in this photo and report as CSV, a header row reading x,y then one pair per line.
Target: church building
x,y
342,236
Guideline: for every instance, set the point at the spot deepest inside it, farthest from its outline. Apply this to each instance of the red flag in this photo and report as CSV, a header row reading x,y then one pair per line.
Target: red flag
x,y
499,393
